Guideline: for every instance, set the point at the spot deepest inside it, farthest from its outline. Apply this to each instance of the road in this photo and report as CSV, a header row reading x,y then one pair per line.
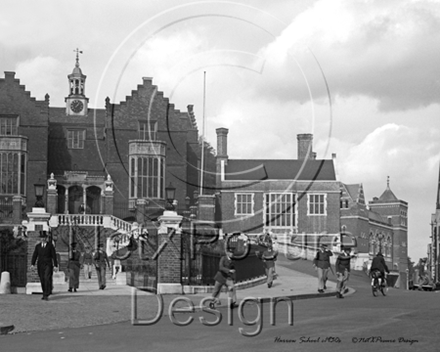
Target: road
x,y
401,321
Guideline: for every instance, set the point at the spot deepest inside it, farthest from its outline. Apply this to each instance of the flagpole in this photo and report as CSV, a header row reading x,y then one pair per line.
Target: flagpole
x,y
202,163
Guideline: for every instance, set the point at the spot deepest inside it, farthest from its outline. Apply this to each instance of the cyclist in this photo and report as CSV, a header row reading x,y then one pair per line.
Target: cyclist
x,y
379,265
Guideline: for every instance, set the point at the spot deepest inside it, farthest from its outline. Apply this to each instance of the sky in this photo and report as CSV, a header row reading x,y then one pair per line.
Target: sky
x,y
362,76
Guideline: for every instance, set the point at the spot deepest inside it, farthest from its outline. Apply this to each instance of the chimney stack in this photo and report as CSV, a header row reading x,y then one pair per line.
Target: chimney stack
x,y
305,146
222,142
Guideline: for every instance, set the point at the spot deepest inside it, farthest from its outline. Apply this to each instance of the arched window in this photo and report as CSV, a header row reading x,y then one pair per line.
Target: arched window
x,y
388,245
376,244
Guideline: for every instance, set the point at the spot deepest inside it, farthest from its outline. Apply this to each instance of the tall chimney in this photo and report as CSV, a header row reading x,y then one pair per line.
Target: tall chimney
x,y
305,146
222,142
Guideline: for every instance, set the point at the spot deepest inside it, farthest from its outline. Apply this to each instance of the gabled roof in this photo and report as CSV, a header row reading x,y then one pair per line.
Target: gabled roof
x,y
356,192
301,170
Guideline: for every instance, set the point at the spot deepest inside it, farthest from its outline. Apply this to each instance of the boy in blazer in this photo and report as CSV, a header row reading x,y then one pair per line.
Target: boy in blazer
x,y
225,276
269,257
321,263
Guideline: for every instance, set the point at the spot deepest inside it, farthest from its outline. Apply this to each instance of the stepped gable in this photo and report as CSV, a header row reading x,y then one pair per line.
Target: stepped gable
x,y
192,117
179,118
10,79
148,100
147,85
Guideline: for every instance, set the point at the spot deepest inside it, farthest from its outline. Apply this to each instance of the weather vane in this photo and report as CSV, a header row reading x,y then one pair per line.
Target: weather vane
x,y
77,51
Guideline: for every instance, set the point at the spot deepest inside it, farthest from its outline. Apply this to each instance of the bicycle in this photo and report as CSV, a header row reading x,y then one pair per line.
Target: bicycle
x,y
376,286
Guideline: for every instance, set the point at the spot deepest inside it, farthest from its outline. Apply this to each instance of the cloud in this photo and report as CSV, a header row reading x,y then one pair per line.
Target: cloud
x,y
384,50
410,156
394,150
42,75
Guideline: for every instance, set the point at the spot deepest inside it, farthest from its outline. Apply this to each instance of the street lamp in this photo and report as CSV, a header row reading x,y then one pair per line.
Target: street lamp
x,y
170,193
39,192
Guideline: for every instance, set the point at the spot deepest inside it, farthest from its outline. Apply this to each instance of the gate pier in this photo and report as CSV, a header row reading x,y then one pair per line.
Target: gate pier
x,y
169,252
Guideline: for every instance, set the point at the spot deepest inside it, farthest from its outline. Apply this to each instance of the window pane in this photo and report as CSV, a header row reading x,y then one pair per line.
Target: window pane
x,y
75,139
132,175
10,173
139,178
162,177
8,126
142,178
244,203
280,212
317,204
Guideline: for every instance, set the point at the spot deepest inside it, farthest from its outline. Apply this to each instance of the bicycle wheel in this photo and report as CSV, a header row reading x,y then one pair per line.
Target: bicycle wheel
x,y
384,289
374,287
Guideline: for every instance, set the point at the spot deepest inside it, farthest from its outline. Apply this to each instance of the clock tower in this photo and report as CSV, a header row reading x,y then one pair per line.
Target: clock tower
x,y
76,102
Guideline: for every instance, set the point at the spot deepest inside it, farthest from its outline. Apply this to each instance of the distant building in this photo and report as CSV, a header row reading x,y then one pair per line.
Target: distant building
x,y
302,198
382,226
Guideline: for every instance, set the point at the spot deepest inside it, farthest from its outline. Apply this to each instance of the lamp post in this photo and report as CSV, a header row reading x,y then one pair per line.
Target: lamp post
x,y
39,192
170,193
380,238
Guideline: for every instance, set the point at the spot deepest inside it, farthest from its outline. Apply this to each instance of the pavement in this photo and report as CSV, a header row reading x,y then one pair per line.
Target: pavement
x,y
91,306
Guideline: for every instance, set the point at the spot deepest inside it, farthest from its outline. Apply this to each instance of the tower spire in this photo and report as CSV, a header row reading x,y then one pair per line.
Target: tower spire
x,y
388,181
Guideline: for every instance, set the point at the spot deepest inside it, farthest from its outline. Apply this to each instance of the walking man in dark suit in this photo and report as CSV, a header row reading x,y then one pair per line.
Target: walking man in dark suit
x,y
100,259
46,259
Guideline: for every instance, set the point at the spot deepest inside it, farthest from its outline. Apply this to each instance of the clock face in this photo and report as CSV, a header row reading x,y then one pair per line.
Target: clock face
x,y
76,106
